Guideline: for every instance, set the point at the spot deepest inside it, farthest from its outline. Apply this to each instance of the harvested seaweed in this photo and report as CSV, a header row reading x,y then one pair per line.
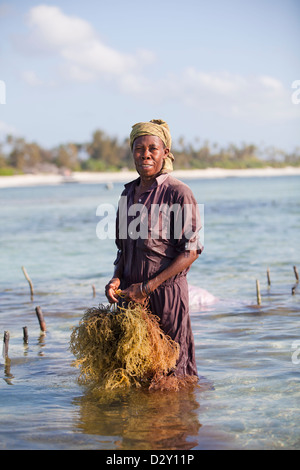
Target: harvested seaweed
x,y
122,348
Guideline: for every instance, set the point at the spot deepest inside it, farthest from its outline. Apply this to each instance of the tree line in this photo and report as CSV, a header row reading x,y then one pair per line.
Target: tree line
x,y
105,153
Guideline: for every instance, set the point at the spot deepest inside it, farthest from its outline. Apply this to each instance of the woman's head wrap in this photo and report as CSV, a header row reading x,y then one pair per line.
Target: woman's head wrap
x,y
160,129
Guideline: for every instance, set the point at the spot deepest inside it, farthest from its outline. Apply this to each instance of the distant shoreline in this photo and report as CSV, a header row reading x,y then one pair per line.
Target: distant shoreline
x,y
43,179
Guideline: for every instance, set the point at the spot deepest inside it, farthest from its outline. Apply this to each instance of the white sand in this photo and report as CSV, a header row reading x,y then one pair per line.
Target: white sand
x,y
125,176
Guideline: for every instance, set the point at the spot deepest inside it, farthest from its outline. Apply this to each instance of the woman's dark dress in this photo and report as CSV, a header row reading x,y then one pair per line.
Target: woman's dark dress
x,y
147,255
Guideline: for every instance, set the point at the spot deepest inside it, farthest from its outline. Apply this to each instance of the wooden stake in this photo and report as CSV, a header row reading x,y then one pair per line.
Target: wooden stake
x,y
296,273
29,281
40,316
258,292
25,334
94,290
5,344
268,276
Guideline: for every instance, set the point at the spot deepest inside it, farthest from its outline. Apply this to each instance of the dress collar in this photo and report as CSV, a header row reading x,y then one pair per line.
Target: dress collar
x,y
158,181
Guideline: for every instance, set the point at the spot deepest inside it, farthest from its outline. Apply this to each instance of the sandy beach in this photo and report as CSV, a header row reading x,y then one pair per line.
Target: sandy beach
x,y
124,176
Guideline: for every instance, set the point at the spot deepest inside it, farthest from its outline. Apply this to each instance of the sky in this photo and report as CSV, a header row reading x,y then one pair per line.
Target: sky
x,y
220,71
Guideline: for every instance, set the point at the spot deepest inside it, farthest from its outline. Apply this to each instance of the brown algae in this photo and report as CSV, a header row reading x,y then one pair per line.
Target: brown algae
x,y
122,348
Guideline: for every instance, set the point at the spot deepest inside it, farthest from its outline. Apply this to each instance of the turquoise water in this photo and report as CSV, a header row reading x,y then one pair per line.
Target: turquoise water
x,y
247,355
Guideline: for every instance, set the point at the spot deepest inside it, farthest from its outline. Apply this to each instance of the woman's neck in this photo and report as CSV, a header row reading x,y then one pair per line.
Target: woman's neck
x,y
146,183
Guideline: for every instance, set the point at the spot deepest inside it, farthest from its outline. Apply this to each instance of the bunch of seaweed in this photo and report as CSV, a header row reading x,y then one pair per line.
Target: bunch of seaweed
x,y
122,348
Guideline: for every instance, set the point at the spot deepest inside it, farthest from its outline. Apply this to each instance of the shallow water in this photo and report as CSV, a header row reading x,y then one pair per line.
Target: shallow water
x,y
247,355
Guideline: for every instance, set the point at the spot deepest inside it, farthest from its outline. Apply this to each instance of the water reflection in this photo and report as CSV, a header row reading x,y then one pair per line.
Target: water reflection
x,y
8,376
142,420
42,343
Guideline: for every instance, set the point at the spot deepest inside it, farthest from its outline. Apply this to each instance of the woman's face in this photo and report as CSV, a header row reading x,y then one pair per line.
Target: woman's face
x,y
149,153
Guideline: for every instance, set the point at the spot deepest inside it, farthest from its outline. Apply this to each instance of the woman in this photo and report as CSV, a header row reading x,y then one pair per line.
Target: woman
x,y
157,249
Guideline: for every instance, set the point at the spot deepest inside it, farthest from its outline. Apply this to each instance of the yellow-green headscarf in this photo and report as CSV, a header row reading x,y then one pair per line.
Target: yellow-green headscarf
x,y
160,129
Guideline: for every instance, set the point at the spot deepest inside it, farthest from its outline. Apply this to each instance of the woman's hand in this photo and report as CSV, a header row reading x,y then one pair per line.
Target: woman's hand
x,y
134,293
110,290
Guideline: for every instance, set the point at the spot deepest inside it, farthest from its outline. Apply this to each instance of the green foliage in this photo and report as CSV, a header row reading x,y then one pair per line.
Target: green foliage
x,y
97,165
103,153
7,171
67,156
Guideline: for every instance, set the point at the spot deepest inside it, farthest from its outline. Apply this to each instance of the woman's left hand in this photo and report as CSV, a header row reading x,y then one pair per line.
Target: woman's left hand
x,y
134,293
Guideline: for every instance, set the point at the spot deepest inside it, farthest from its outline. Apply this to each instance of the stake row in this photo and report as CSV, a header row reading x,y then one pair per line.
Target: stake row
x,y
6,336
258,296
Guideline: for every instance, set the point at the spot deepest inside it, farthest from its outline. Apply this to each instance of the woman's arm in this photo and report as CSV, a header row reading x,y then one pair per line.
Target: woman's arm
x,y
179,264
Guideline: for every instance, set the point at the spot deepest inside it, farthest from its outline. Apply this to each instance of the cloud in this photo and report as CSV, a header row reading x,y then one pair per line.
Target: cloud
x,y
84,57
31,78
253,99
256,99
56,30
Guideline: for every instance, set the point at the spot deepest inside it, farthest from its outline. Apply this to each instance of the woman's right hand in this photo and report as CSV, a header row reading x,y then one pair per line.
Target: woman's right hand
x,y
110,290
135,293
